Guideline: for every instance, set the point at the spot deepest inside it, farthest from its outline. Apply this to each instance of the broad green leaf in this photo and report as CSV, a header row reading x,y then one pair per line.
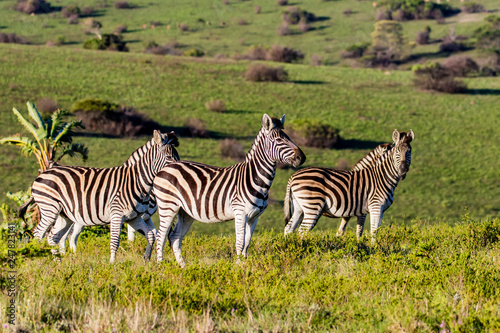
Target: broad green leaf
x,y
26,124
35,115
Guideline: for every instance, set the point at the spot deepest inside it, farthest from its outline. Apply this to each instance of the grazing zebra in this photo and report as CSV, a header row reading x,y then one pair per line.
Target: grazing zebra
x,y
76,228
211,194
334,193
91,196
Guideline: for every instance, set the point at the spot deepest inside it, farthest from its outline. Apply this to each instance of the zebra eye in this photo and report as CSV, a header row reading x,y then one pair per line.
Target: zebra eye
x,y
278,139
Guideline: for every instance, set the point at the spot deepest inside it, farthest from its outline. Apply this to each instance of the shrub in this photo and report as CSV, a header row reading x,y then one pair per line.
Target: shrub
x,y
61,40
488,35
196,128
216,106
461,65
383,15
107,42
294,15
261,73
418,9
183,27
313,133
12,38
316,60
304,27
194,53
343,164
242,22
380,59
112,119
282,2
284,54
123,5
46,105
347,12
355,50
283,29
399,15
70,11
422,37
122,28
388,36
230,148
473,7
33,6
87,11
73,19
257,9
452,46
226,2
90,23
435,77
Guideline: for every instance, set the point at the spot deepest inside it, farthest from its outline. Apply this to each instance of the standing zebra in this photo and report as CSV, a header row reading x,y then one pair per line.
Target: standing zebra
x,y
211,194
334,193
77,228
91,196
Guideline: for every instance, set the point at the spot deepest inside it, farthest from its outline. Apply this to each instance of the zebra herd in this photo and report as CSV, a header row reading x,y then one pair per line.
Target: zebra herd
x,y
154,178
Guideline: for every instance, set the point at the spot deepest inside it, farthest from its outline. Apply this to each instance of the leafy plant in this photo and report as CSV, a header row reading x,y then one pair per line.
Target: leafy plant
x,y
50,137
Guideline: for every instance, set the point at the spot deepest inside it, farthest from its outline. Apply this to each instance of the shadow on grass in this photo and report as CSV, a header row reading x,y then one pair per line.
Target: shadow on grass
x,y
307,82
494,92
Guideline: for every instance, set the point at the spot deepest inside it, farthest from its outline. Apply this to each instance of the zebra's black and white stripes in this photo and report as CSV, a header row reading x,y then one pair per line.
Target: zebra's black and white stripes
x,y
91,196
209,194
315,191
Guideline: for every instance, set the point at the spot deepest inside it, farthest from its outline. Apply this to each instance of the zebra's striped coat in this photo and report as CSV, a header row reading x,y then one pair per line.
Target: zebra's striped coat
x,y
211,194
334,193
92,196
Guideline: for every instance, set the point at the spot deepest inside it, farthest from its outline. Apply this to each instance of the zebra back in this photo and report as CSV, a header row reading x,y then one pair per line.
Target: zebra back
x,y
372,157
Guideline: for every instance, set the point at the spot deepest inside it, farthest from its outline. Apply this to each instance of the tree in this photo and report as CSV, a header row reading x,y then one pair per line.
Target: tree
x,y
49,136
388,37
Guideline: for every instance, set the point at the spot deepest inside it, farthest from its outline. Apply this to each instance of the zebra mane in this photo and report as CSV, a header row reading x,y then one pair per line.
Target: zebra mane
x,y
372,157
139,152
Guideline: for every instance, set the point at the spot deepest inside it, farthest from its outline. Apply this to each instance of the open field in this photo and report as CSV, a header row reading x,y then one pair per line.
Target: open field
x,y
418,278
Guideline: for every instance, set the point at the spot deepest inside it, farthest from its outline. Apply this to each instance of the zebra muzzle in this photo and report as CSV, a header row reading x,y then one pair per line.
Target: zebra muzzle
x,y
299,158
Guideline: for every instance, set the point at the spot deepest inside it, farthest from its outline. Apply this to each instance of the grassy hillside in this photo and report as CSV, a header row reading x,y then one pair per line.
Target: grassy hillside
x,y
418,278
454,152
214,27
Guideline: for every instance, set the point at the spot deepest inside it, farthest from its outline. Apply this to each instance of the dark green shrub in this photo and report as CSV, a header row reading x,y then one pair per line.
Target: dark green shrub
x,y
70,11
194,53
473,7
313,133
294,15
284,54
94,105
355,50
418,9
107,42
488,35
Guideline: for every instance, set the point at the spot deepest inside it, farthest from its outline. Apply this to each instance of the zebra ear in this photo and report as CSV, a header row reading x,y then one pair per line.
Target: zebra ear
x,y
395,136
157,137
267,122
411,135
283,120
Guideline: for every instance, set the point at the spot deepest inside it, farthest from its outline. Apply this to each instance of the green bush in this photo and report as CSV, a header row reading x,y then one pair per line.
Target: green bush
x,y
107,42
313,133
194,53
94,105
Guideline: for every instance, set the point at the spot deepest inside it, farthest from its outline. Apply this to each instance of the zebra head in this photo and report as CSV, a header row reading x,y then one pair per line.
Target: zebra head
x,y
166,148
278,145
402,151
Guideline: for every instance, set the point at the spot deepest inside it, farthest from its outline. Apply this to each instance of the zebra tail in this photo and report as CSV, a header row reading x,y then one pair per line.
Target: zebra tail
x,y
286,203
24,207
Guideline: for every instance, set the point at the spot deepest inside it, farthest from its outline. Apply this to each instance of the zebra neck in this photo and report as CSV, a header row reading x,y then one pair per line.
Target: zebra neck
x,y
143,171
259,165
387,171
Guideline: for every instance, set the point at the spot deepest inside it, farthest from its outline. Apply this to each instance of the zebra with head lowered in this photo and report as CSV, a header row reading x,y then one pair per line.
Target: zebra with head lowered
x,y
92,196
368,188
75,230
211,194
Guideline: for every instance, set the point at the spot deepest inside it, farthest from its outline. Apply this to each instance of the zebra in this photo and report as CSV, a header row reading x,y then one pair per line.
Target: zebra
x,y
76,228
318,191
212,194
92,196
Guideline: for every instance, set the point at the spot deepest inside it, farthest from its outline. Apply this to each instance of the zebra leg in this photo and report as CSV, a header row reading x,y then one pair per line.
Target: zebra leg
x,y
250,228
296,219
57,232
48,216
73,239
361,226
311,217
167,215
184,222
375,221
115,226
240,222
343,226
62,241
131,233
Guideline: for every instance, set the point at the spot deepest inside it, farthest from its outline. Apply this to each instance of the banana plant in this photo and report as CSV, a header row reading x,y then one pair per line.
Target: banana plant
x,y
49,137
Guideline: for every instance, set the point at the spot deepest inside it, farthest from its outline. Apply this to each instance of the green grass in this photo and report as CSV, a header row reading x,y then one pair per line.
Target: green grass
x,y
417,278
204,18
453,152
